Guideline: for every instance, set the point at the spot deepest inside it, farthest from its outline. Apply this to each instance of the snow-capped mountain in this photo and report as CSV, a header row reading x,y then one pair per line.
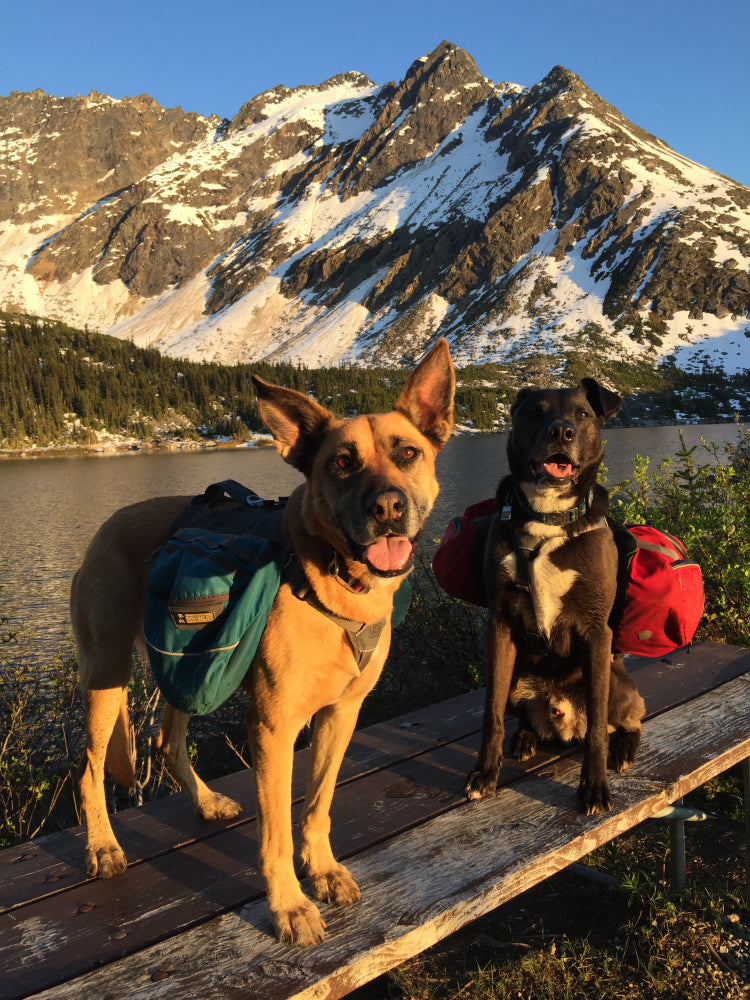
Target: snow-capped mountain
x,y
354,222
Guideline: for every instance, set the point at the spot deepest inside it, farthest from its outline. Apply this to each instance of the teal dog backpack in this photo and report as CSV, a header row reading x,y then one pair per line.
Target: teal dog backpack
x,y
209,593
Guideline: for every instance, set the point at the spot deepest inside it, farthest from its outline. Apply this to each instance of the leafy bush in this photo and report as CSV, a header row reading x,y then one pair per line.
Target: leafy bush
x,y
704,501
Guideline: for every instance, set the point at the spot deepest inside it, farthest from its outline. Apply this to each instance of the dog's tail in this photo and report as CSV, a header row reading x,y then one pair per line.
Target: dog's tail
x,y
120,759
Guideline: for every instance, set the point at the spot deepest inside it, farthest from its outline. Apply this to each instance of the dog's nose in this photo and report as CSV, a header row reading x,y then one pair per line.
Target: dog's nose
x,y
386,506
562,430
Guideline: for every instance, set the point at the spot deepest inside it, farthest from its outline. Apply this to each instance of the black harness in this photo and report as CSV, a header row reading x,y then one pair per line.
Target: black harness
x,y
534,642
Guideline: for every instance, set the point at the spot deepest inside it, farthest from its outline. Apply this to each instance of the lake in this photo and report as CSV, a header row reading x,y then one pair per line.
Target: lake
x,y
52,506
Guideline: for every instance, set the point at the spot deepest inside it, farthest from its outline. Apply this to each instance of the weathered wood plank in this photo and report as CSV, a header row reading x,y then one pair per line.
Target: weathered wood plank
x,y
189,886
430,880
686,672
103,919
53,863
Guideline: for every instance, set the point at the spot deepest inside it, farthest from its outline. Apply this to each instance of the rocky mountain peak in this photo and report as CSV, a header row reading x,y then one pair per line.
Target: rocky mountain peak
x,y
350,221
437,93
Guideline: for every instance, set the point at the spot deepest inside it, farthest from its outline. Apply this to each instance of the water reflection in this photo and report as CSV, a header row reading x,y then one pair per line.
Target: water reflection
x,y
53,506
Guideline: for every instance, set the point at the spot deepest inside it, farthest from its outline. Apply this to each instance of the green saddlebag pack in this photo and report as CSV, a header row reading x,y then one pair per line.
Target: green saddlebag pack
x,y
209,593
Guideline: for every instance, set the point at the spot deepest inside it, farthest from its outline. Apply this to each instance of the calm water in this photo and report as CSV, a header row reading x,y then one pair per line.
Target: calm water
x,y
52,506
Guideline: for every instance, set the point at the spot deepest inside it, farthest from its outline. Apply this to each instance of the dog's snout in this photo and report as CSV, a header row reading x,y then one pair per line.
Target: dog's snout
x,y
387,506
562,431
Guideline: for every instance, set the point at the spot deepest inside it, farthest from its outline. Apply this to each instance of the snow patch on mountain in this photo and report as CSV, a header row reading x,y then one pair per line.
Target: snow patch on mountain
x,y
275,236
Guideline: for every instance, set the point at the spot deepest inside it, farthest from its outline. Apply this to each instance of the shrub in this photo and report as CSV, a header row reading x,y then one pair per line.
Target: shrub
x,y
704,501
37,714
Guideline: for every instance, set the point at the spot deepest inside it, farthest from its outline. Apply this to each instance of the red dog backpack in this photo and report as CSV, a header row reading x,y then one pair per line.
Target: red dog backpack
x,y
660,592
457,561
659,589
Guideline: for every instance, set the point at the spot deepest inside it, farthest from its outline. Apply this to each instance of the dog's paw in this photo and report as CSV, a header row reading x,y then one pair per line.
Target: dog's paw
x,y
300,925
104,862
523,745
336,886
623,748
216,806
594,796
481,784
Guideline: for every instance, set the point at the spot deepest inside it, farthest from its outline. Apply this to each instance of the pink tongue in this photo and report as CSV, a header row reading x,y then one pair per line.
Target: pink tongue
x,y
389,553
558,469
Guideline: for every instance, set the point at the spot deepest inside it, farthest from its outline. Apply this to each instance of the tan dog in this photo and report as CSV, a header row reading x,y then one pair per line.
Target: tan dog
x,y
369,485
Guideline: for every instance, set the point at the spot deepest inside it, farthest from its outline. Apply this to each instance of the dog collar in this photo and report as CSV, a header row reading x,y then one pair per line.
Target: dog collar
x,y
364,636
559,517
334,566
341,574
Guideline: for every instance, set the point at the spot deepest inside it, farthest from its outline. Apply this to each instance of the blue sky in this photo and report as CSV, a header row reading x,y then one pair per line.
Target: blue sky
x,y
678,68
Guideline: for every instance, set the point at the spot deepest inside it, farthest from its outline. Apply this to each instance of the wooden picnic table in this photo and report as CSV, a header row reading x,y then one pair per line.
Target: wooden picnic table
x,y
188,919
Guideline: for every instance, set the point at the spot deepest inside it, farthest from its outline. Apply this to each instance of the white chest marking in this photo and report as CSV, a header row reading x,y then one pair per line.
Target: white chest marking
x,y
549,584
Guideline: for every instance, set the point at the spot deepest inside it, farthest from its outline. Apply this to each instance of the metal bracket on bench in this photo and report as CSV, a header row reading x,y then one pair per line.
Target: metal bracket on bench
x,y
680,812
678,815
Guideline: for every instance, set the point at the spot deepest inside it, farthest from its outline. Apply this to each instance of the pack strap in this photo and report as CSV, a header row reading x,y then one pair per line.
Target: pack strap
x,y
671,553
363,636
534,641
241,495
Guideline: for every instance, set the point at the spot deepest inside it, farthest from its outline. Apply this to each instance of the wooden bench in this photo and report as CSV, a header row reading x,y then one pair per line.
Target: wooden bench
x,y
188,919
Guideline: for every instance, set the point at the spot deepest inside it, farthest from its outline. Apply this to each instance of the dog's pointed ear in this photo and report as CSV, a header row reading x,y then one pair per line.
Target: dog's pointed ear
x,y
296,422
604,402
427,397
522,394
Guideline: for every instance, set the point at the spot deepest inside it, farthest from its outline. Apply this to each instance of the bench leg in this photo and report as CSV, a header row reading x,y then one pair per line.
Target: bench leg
x,y
677,814
677,851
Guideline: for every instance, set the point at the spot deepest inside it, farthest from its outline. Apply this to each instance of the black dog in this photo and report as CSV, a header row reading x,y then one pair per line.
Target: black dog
x,y
551,572
555,710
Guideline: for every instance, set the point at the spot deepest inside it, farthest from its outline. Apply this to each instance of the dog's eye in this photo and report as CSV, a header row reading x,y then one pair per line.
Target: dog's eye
x,y
409,453
344,462
583,414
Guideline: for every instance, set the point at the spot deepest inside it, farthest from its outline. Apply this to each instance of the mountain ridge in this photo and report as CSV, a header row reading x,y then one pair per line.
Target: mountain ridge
x,y
351,222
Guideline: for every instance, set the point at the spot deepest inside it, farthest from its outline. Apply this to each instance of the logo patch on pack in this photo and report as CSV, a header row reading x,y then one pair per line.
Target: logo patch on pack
x,y
186,616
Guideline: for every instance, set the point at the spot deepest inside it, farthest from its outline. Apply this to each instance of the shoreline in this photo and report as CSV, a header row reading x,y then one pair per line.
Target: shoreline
x,y
110,448
132,446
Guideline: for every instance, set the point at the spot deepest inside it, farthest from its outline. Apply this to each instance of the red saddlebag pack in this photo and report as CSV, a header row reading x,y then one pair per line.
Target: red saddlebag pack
x,y
659,594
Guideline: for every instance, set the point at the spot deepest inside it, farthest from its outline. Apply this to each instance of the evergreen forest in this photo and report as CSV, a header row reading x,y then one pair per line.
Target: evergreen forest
x,y
61,386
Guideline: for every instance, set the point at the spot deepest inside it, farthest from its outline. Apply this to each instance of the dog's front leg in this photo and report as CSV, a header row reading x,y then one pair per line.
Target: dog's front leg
x,y
594,794
295,918
501,659
331,882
